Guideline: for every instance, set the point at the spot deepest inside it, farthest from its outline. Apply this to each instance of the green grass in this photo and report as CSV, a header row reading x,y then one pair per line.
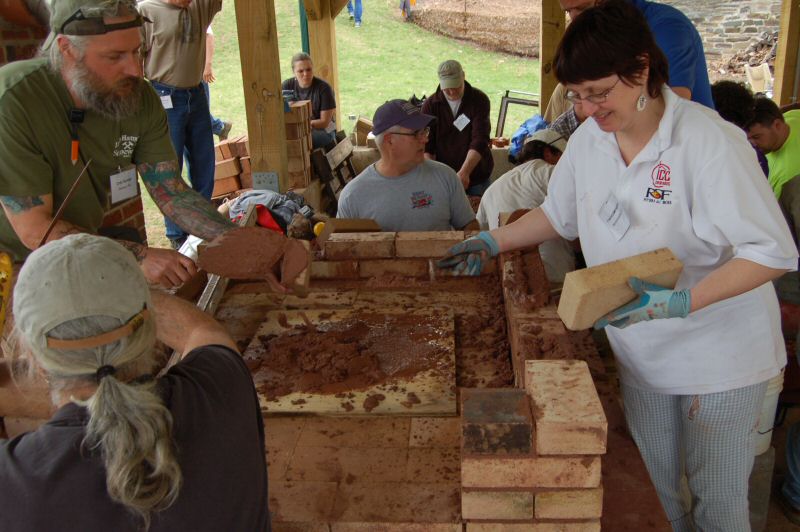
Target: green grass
x,y
385,58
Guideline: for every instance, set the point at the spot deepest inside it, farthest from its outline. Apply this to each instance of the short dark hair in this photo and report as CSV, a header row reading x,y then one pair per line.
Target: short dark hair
x,y
610,38
534,149
765,112
734,102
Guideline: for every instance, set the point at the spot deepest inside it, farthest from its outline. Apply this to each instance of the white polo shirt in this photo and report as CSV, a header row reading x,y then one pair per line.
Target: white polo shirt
x,y
697,189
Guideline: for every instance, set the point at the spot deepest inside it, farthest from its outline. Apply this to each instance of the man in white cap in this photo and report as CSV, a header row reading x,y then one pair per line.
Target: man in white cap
x,y
86,104
460,136
403,191
525,187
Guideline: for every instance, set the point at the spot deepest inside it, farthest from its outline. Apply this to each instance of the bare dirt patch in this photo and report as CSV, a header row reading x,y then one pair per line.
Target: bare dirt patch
x,y
510,26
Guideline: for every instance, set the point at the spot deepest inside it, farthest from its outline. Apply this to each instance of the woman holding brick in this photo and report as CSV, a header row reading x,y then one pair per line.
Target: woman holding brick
x,y
652,170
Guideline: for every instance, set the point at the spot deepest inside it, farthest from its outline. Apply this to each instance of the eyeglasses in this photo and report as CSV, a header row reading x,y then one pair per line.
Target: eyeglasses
x,y
592,98
420,133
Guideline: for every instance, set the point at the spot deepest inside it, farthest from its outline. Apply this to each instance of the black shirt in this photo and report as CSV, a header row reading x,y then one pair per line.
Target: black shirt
x,y
319,92
48,482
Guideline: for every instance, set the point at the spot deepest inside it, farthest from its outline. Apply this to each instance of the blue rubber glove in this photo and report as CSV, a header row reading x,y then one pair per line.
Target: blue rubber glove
x,y
654,302
467,257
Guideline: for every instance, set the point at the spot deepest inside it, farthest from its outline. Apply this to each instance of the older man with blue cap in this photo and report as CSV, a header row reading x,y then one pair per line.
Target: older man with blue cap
x,y
403,191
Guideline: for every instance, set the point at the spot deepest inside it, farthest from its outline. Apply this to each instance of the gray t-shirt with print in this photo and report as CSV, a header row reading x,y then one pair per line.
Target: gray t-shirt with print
x,y
428,198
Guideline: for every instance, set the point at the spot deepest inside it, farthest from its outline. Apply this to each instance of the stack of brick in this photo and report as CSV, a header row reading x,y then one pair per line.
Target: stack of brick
x,y
531,459
129,213
232,171
298,143
374,254
18,41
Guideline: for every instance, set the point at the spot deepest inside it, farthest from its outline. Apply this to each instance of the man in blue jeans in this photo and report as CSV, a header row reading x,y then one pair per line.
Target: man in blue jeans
x,y
174,46
355,13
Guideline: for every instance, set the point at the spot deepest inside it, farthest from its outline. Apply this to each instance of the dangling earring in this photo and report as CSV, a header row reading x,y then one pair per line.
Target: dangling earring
x,y
641,103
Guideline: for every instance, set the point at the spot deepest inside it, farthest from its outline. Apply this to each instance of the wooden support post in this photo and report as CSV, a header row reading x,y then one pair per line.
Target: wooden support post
x,y
786,90
322,41
261,79
551,31
337,6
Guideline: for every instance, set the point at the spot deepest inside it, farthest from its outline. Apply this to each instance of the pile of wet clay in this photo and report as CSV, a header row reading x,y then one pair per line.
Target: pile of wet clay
x,y
350,354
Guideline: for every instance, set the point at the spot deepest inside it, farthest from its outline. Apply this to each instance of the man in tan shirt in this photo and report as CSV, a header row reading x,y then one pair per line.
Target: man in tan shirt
x,y
174,44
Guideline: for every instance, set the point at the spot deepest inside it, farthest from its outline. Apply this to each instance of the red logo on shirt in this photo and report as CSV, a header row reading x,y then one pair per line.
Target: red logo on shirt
x,y
660,175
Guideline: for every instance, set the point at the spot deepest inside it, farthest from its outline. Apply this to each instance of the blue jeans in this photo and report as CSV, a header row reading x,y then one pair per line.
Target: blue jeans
x,y
478,188
321,138
217,125
355,13
190,130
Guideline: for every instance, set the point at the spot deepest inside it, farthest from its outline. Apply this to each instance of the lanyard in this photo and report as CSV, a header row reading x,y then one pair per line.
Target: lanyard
x,y
76,117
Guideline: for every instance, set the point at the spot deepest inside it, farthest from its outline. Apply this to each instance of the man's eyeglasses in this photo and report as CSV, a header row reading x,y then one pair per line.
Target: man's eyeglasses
x,y
592,98
420,133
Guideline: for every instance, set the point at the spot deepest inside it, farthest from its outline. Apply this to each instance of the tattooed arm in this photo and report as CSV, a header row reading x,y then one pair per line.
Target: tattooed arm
x,y
192,212
31,216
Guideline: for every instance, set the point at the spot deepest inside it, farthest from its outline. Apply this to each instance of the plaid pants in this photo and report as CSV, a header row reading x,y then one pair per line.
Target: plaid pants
x,y
710,440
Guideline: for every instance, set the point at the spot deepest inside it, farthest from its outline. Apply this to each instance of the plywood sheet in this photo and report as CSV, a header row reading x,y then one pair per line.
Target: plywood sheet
x,y
345,361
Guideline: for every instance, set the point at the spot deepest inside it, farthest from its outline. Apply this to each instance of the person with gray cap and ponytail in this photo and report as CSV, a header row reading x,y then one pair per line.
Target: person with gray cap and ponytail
x,y
125,450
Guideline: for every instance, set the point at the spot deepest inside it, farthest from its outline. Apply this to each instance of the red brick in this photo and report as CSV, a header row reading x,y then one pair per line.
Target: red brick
x,y
245,163
568,415
348,464
342,246
299,527
435,432
435,464
112,217
398,502
227,168
585,526
302,501
427,243
531,472
496,421
396,527
15,35
403,267
226,186
334,269
246,179
132,207
496,505
570,504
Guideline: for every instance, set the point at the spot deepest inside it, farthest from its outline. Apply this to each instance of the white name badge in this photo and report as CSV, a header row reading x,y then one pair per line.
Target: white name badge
x,y
614,216
461,122
124,185
166,101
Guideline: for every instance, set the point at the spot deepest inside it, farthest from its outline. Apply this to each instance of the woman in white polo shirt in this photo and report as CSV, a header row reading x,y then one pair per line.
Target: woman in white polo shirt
x,y
693,362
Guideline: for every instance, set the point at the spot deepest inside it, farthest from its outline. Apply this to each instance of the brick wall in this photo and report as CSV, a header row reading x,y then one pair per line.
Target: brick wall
x,y
20,42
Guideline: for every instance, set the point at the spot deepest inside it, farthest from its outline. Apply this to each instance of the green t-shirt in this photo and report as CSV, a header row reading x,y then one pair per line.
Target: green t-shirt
x,y
35,138
784,164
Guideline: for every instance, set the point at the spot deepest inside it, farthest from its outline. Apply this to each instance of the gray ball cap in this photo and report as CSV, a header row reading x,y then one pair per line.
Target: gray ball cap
x,y
451,75
85,17
74,277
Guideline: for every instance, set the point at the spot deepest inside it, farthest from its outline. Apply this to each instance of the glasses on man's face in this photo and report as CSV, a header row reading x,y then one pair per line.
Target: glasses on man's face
x,y
598,98
419,134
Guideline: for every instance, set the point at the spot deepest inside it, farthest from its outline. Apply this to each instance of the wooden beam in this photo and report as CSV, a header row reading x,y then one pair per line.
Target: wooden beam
x,y
314,8
322,46
337,6
551,30
785,90
261,80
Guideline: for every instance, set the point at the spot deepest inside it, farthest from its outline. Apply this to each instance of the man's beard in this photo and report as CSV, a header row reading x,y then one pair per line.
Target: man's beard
x,y
116,102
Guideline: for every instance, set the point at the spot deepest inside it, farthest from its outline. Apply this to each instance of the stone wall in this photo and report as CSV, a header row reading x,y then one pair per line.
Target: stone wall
x,y
729,26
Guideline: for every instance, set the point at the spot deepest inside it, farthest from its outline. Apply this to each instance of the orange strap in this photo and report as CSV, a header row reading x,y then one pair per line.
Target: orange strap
x,y
101,339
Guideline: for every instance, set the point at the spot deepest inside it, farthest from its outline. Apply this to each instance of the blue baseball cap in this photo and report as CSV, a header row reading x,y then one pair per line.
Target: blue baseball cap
x,y
399,113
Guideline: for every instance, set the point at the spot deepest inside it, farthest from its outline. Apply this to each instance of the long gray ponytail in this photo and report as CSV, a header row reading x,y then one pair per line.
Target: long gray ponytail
x,y
128,423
